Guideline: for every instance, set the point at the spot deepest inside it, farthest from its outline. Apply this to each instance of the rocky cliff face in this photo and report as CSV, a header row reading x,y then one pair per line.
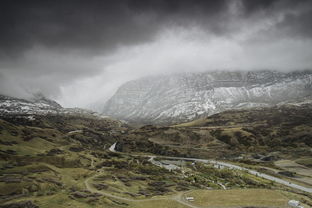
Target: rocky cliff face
x,y
183,97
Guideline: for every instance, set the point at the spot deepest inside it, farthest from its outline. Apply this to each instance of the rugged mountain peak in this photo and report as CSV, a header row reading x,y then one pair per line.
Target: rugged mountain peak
x,y
36,105
183,97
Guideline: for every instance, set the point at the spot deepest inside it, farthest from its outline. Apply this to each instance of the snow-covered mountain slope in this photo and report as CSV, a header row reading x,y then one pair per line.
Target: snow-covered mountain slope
x,y
11,105
183,97
37,105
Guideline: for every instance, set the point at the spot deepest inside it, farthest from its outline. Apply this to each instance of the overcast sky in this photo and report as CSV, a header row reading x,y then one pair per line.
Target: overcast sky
x,y
79,52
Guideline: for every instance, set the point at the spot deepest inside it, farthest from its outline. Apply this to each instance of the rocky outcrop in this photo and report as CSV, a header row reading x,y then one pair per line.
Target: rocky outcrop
x,y
23,204
183,97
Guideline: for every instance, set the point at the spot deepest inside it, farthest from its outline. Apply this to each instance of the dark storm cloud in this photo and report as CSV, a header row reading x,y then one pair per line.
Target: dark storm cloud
x,y
68,24
95,25
256,5
103,25
299,26
75,48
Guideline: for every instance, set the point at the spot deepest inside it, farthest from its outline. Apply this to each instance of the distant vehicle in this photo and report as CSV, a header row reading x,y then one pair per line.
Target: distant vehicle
x,y
295,204
189,198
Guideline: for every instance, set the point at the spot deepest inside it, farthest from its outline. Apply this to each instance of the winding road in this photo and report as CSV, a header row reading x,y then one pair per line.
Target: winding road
x,y
253,172
180,196
231,166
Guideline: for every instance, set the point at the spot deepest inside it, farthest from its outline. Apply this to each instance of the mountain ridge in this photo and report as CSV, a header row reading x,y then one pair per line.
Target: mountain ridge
x,y
38,105
184,97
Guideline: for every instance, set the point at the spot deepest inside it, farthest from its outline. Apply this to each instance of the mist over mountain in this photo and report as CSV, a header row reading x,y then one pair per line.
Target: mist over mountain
x,y
80,52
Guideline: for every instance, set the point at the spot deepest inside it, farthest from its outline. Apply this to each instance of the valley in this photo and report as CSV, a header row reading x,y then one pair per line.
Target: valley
x,y
77,160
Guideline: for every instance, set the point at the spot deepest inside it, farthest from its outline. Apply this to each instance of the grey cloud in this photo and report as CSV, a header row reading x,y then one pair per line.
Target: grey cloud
x,y
40,70
53,46
298,26
69,25
103,25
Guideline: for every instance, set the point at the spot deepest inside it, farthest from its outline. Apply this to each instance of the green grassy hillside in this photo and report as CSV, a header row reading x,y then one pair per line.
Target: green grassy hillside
x,y
63,161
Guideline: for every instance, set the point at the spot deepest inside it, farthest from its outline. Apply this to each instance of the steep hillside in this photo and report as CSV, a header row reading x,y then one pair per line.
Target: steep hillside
x,y
285,130
288,126
184,97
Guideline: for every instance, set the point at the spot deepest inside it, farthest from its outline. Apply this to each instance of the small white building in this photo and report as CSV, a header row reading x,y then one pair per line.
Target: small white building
x,y
189,198
294,204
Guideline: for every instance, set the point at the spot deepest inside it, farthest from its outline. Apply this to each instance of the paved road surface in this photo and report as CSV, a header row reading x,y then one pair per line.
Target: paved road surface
x,y
236,167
